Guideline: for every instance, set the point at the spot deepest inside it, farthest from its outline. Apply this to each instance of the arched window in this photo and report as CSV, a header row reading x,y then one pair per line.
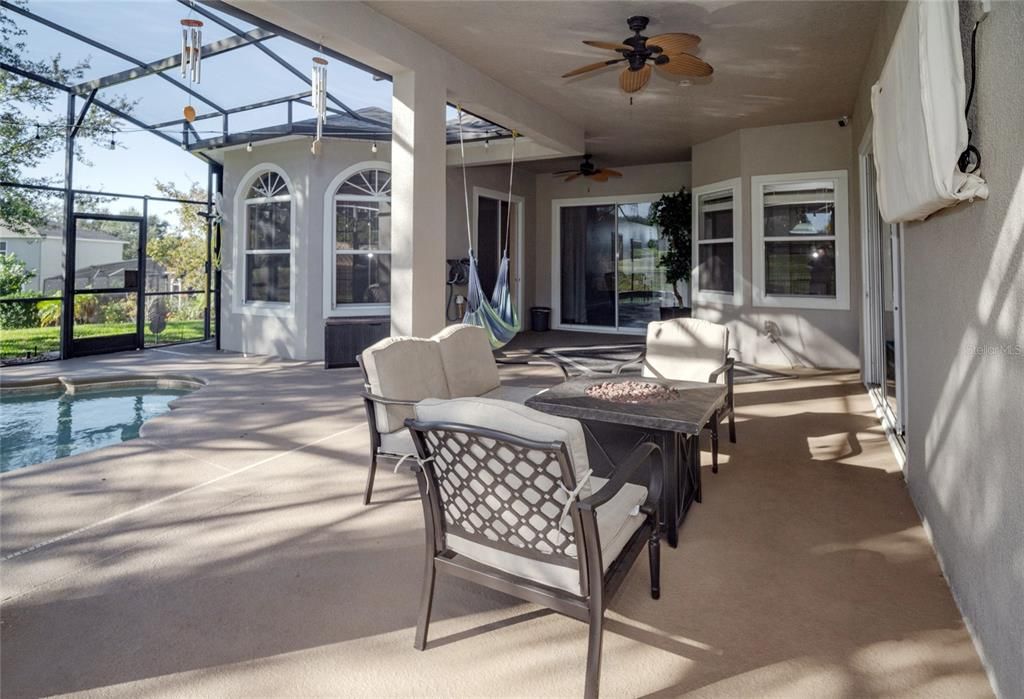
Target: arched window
x,y
362,240
268,240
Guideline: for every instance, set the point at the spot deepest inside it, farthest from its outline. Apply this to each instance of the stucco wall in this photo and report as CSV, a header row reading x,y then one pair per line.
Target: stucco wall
x,y
964,310
299,332
824,338
640,179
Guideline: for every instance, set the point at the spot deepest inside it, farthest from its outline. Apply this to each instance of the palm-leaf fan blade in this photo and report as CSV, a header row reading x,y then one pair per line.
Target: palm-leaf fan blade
x,y
677,42
610,45
634,80
600,176
685,64
570,178
611,173
592,66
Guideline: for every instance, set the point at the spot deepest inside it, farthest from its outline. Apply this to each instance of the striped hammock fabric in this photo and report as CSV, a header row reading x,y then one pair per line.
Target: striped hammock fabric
x,y
496,315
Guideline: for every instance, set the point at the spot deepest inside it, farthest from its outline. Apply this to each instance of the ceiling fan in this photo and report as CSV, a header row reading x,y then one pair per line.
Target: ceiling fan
x,y
588,169
669,53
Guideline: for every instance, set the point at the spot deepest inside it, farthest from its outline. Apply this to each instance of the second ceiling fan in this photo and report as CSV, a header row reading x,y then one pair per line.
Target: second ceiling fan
x,y
669,53
589,170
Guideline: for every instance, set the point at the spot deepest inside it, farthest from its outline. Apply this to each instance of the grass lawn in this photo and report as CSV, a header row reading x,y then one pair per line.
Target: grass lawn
x,y
25,342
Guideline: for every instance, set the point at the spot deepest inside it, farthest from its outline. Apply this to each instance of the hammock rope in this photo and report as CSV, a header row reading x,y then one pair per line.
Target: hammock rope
x,y
496,315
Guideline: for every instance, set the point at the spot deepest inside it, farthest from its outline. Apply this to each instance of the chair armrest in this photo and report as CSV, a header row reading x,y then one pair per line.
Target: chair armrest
x,y
509,361
623,472
637,361
728,368
386,401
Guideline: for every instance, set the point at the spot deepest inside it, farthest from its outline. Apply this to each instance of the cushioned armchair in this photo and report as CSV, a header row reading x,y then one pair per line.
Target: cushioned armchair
x,y
400,371
690,349
510,503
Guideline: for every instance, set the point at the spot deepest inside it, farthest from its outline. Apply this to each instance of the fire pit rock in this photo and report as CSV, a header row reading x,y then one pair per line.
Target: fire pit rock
x,y
632,392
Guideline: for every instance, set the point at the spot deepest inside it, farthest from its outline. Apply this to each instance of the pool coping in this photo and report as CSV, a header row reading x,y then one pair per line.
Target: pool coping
x,y
73,385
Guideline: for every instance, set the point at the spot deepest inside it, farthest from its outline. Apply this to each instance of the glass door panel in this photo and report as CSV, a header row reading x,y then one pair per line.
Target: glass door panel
x,y
641,287
588,265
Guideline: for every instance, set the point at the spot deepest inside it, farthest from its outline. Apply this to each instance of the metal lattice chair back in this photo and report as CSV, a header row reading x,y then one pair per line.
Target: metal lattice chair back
x,y
504,494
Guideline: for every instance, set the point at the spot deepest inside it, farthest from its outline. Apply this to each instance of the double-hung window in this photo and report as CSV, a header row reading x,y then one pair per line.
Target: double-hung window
x,y
717,275
362,243
268,240
800,240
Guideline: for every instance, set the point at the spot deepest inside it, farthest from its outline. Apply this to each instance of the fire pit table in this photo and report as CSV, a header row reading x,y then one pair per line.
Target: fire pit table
x,y
669,413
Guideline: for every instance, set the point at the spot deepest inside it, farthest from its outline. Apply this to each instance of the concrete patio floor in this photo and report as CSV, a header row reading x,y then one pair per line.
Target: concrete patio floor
x,y
227,553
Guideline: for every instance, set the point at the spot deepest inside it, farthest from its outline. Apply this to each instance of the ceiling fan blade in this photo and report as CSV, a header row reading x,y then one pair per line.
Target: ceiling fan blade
x,y
600,176
611,173
592,66
674,43
570,178
610,45
634,80
685,64
564,172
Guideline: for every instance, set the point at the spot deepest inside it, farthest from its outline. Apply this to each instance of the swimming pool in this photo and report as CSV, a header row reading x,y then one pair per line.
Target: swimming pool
x,y
42,421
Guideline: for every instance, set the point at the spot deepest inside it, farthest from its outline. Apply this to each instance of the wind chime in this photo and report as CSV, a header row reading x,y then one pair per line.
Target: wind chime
x,y
191,55
318,97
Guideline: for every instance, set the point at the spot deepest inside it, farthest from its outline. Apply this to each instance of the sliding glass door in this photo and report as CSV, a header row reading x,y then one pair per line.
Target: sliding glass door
x,y
608,258
883,314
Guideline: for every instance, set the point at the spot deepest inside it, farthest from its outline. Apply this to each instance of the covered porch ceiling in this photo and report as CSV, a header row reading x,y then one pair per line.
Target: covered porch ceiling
x,y
784,62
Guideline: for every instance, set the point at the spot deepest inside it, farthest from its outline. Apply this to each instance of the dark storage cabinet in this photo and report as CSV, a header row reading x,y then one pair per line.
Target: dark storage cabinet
x,y
345,338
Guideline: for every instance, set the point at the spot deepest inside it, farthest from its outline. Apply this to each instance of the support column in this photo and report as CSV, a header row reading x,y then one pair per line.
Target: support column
x,y
418,200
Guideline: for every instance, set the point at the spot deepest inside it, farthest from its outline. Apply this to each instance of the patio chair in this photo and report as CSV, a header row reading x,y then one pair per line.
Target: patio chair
x,y
510,503
690,349
400,371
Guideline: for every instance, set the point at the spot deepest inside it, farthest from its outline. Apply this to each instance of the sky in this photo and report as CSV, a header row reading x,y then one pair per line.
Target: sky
x,y
150,30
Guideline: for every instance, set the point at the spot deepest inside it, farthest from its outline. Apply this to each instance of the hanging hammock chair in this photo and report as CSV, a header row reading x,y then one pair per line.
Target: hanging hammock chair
x,y
496,315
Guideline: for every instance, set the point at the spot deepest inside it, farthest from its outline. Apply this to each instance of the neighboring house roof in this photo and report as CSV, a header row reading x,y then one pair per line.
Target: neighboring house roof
x,y
51,231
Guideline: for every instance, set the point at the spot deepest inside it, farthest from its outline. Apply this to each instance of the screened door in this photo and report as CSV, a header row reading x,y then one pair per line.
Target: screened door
x,y
106,288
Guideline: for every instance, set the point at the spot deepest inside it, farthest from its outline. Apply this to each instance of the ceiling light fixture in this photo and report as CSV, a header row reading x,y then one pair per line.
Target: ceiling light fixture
x,y
248,147
373,148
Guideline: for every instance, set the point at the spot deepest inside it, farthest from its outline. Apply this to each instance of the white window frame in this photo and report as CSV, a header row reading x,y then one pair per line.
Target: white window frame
x,y
3,247
711,297
348,310
839,180
556,256
240,304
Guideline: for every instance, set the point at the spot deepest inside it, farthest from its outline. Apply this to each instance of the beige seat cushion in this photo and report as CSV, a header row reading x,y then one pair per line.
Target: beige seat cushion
x,y
404,368
398,442
514,419
685,349
616,524
468,361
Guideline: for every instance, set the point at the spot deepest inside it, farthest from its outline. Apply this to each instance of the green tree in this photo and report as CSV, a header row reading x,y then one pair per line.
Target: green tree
x,y
13,274
672,214
181,248
32,123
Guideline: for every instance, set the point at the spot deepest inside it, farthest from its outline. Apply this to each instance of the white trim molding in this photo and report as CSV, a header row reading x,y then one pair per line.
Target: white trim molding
x,y
239,304
839,180
556,252
351,310
711,297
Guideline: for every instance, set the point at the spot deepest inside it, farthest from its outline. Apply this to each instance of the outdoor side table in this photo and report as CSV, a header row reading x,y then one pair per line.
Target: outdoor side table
x,y
674,424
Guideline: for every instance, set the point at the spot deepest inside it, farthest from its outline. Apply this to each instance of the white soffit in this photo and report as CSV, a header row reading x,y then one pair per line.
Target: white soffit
x,y
775,63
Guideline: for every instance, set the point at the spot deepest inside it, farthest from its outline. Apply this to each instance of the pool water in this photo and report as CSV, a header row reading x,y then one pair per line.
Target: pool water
x,y
42,426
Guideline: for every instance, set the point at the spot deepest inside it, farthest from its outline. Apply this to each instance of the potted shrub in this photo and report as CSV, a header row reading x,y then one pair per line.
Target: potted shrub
x,y
672,215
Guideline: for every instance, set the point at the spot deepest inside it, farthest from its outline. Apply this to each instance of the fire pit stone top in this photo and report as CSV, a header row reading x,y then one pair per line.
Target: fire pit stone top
x,y
634,391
